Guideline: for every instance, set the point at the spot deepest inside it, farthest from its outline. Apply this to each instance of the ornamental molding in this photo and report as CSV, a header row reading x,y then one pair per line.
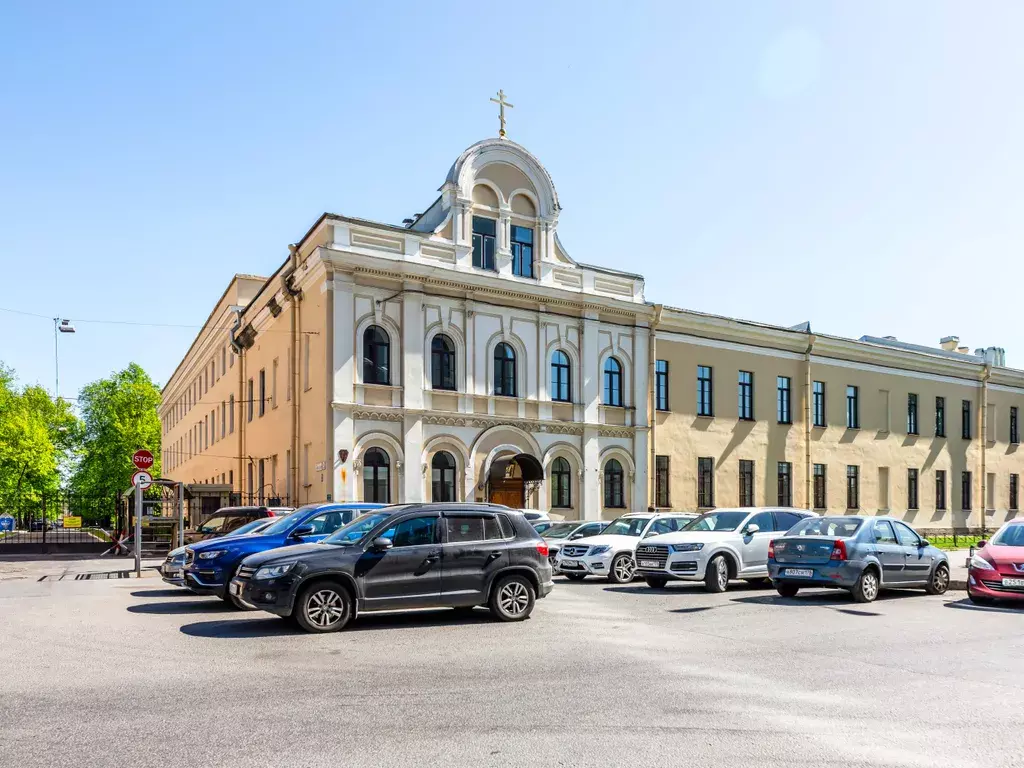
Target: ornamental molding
x,y
616,431
377,415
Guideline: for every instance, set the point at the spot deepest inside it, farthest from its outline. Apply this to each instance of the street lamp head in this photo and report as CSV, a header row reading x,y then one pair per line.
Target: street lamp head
x,y
65,326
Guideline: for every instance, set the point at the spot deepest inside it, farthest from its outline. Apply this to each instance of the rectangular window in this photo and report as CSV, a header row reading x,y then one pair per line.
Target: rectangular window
x,y
263,391
705,482
852,410
305,363
912,415
820,488
522,251
705,391
940,417
966,419
746,396
661,385
784,400
746,483
231,359
249,484
223,360
231,415
231,478
1014,492
819,403
940,489
965,491
250,397
223,420
483,242
262,479
273,385
912,489
785,484
661,481
852,487
1014,429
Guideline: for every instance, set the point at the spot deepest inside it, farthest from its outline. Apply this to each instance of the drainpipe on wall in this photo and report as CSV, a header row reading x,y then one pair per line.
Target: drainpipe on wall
x,y
329,385
652,412
296,353
239,350
983,413
808,420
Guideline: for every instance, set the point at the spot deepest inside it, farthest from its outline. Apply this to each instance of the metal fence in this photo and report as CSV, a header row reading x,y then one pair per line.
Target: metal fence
x,y
63,521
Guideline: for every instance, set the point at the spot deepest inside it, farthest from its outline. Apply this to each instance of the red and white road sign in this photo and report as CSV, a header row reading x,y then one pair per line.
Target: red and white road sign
x,y
142,459
142,479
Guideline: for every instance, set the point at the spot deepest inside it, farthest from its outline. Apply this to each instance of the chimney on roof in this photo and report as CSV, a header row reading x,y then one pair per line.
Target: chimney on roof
x,y
964,350
949,343
994,356
889,338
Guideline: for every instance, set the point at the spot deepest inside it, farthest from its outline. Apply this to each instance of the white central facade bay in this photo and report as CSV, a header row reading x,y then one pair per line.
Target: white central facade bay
x,y
472,359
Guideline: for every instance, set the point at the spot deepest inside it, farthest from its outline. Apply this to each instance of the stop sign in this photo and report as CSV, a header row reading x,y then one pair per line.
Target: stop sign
x,y
142,459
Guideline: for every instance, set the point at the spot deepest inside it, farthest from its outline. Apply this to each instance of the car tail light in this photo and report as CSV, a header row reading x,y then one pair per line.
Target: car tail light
x,y
838,550
771,550
542,548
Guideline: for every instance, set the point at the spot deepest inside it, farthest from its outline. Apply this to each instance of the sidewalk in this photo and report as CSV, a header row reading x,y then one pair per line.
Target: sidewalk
x,y
958,568
57,567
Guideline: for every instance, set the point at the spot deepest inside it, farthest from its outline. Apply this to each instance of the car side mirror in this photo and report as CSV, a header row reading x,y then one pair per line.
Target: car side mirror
x,y
982,543
752,528
303,530
381,544
576,536
924,543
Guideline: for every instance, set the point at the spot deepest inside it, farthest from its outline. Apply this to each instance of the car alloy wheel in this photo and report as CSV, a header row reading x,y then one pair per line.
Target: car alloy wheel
x,y
324,608
940,580
866,588
623,569
513,598
716,578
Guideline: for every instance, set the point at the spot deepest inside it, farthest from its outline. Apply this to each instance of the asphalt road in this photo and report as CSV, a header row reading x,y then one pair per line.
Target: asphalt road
x,y
126,672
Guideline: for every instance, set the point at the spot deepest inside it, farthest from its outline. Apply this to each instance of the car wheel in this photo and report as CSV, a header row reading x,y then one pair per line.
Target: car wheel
x,y
866,588
323,607
787,590
656,582
716,578
575,576
512,598
623,569
940,580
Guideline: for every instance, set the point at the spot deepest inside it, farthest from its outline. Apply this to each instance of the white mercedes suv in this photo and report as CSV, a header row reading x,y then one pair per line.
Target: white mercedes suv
x,y
610,553
716,547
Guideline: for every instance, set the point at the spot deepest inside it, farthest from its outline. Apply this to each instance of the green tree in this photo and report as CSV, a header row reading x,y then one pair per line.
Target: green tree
x,y
119,415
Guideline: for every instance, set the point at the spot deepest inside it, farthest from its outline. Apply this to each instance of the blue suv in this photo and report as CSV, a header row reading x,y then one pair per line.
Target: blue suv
x,y
209,565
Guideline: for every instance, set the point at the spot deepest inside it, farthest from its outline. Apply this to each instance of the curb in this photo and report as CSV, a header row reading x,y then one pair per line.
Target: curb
x,y
958,585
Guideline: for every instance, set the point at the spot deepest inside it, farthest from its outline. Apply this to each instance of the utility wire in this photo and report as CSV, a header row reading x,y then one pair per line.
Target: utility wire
x,y
151,325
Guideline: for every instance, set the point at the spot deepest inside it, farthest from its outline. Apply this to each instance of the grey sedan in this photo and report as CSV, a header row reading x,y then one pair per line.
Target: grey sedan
x,y
858,553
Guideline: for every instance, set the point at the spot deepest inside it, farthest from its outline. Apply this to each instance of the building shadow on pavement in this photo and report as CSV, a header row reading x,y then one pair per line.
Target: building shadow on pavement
x,y
184,606
273,627
681,588
240,629
162,593
966,605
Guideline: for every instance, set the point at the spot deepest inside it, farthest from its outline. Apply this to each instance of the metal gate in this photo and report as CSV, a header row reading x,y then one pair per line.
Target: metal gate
x,y
62,522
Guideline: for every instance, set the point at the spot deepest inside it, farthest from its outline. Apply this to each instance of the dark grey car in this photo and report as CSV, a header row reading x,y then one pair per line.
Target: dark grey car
x,y
856,552
407,556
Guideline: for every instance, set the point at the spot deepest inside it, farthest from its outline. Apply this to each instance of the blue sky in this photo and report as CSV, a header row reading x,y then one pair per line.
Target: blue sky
x,y
855,164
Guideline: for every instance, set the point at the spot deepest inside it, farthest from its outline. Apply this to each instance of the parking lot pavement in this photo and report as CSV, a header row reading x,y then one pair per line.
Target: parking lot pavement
x,y
107,672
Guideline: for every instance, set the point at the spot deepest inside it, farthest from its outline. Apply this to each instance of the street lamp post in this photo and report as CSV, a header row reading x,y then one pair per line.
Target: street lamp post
x,y
60,325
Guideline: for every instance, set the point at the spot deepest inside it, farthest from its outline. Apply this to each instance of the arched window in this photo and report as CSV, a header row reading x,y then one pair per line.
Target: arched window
x,y
376,356
504,370
561,389
442,473
442,363
376,476
612,382
561,495
613,496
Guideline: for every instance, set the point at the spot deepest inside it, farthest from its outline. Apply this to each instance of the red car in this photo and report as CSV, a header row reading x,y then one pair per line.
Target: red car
x,y
996,571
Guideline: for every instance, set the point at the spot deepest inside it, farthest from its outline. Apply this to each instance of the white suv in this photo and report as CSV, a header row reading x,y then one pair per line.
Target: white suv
x,y
610,553
716,547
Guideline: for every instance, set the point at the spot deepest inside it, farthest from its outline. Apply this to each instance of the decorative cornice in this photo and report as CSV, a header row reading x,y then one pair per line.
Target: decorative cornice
x,y
615,431
377,415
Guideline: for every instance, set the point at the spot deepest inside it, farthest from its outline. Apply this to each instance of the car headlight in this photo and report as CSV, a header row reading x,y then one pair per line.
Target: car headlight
x,y
599,550
688,547
213,553
273,571
979,562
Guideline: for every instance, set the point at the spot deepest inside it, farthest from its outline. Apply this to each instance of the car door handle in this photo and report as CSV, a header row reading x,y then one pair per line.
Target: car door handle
x,y
493,556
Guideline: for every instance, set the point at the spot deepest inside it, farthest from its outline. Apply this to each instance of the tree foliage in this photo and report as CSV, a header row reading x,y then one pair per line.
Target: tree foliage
x,y
119,415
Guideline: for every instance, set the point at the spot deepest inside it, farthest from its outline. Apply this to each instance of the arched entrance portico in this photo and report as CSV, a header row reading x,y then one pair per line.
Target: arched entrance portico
x,y
512,479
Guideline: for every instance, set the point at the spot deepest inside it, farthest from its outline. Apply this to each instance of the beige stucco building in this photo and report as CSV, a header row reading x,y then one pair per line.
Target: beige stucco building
x,y
467,356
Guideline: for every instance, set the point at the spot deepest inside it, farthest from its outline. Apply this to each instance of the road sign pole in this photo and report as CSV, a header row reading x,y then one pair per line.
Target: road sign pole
x,y
138,530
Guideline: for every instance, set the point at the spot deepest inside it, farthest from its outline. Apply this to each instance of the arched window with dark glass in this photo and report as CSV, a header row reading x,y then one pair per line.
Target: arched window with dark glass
x,y
561,389
377,476
612,382
504,370
613,495
442,474
442,363
561,477
376,356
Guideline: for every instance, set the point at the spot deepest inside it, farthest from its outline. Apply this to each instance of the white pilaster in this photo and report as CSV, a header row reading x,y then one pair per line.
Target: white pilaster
x,y
412,446
412,347
590,484
591,375
344,340
638,493
345,475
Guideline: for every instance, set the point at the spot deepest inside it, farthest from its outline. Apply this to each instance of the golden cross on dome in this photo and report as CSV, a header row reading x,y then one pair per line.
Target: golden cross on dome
x,y
500,101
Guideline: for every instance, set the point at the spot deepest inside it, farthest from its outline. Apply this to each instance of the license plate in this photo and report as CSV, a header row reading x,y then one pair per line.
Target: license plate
x,y
1013,582
571,565
235,588
650,564
806,573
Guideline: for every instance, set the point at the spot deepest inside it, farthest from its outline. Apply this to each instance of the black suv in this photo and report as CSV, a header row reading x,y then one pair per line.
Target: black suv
x,y
406,556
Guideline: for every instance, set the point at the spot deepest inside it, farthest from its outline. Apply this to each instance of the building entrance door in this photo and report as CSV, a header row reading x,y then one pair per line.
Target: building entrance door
x,y
512,479
511,493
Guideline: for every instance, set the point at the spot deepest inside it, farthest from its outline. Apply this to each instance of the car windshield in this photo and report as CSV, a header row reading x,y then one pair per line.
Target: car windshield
x,y
284,524
349,534
842,527
255,525
1010,536
560,530
717,521
626,526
